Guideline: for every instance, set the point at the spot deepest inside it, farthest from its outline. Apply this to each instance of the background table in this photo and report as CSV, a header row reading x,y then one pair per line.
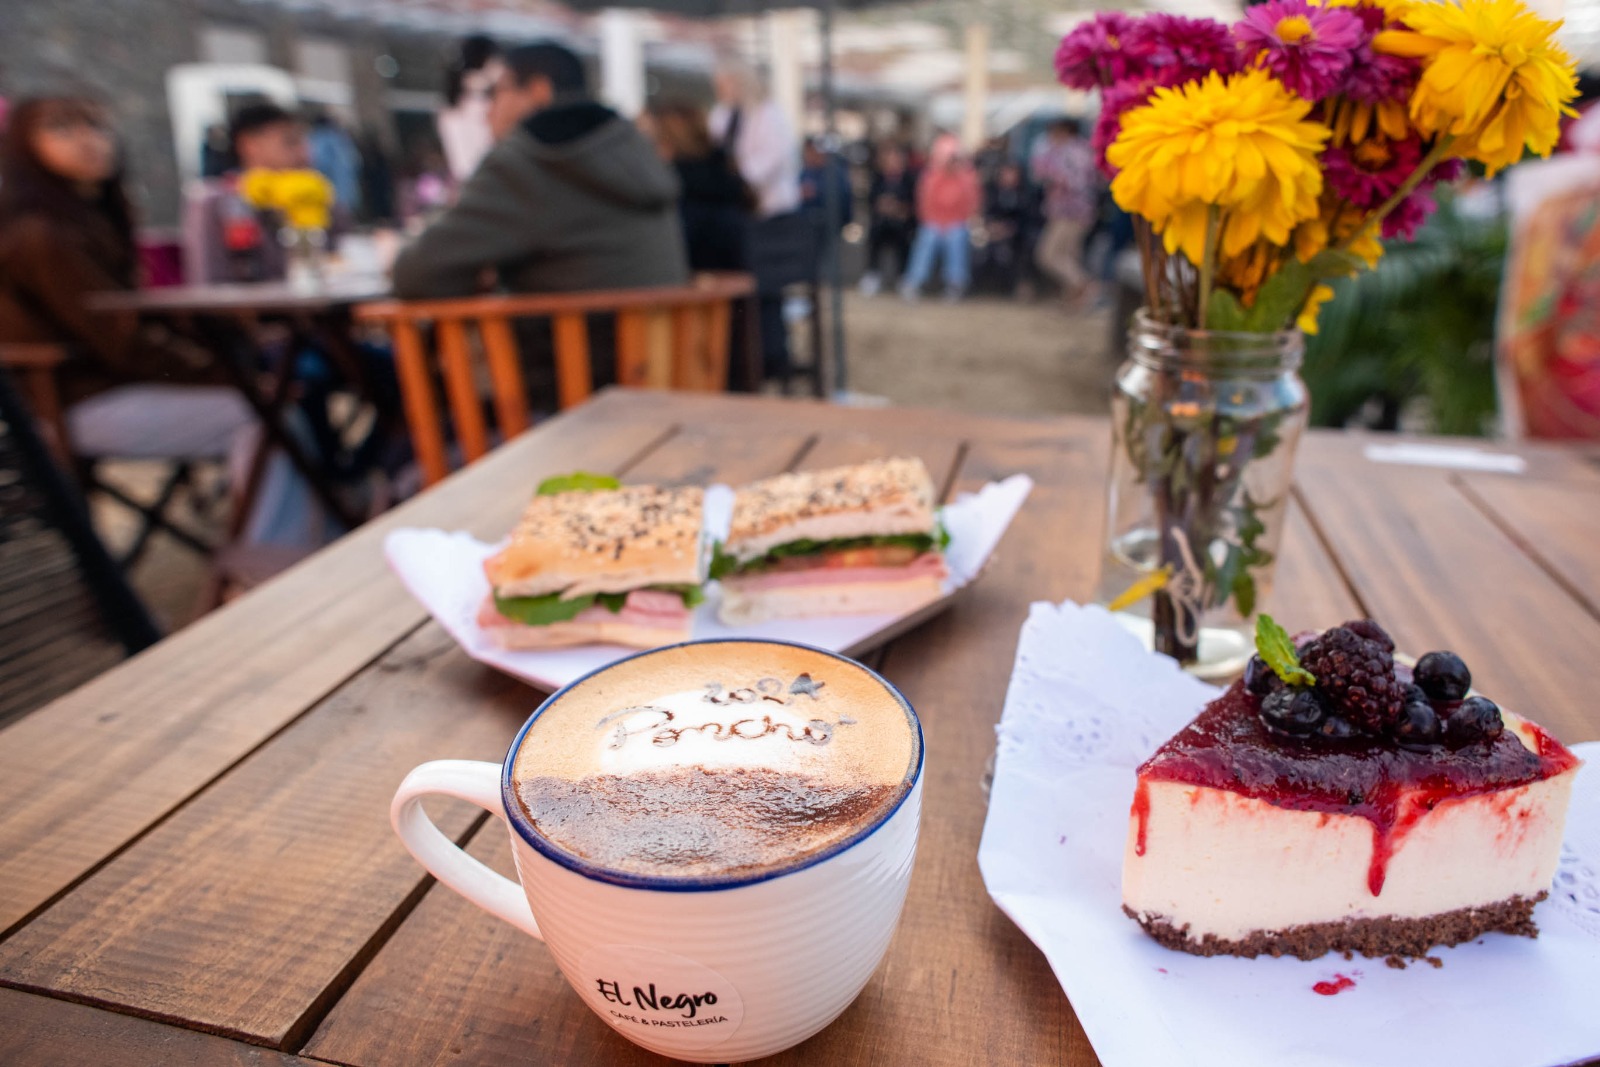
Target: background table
x,y
227,320
195,852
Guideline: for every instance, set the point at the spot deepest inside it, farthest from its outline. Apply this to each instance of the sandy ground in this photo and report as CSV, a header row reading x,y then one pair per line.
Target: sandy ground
x,y
983,355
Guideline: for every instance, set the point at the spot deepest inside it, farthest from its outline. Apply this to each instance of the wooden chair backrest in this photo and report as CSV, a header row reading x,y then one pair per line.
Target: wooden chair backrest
x,y
667,338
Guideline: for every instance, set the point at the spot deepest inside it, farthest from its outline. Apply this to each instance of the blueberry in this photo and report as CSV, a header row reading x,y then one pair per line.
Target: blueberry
x,y
1418,724
1292,711
1477,719
1415,695
1443,676
1335,728
1259,678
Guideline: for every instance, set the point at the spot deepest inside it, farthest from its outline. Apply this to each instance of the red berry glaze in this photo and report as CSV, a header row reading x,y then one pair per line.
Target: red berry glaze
x,y
1227,747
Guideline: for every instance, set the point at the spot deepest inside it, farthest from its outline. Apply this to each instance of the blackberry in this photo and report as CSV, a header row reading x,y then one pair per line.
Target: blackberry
x,y
1372,632
1355,675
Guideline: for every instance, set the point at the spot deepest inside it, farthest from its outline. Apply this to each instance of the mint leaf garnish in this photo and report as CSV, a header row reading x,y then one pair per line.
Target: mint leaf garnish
x,y
577,481
1277,651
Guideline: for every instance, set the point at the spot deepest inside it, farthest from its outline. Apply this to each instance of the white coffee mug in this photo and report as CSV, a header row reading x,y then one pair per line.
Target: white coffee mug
x,y
709,970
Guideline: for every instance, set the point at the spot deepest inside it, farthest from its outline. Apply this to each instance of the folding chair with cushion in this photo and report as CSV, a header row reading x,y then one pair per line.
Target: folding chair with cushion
x,y
181,426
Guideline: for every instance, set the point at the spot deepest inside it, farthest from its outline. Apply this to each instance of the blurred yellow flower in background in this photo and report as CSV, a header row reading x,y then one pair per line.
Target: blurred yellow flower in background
x,y
1307,320
303,197
1493,77
1241,145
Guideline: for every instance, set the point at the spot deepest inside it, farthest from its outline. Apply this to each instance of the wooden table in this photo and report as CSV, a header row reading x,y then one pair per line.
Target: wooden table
x,y
226,320
195,856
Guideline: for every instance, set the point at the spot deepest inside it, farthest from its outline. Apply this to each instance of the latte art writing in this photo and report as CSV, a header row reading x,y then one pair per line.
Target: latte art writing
x,y
719,759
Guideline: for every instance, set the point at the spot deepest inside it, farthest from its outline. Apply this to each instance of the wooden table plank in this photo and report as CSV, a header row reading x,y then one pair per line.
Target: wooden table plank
x,y
165,723
1439,573
491,995
42,1032
294,880
1556,523
241,912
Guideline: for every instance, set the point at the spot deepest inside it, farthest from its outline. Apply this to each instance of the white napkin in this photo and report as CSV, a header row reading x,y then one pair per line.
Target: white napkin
x,y
444,570
1086,705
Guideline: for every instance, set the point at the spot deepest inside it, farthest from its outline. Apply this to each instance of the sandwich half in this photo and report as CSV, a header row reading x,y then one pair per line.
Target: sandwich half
x,y
608,566
861,540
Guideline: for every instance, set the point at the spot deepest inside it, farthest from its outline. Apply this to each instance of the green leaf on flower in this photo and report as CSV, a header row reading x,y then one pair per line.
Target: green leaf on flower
x,y
577,481
1280,298
1277,650
1224,312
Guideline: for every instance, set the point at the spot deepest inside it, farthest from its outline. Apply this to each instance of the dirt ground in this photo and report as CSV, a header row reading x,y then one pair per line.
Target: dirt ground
x,y
986,355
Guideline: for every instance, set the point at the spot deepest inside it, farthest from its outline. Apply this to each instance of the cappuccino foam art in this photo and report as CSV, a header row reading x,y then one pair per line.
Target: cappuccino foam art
x,y
716,760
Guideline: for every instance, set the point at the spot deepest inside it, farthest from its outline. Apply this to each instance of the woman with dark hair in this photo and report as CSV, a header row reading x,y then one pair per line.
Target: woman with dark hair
x,y
66,231
464,123
715,201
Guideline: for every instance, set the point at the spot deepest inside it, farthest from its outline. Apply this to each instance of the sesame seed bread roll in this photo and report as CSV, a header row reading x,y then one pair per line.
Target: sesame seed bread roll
x,y
885,497
603,541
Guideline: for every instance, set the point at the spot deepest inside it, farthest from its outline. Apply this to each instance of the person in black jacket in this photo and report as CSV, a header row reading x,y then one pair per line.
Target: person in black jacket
x,y
892,206
1012,222
716,203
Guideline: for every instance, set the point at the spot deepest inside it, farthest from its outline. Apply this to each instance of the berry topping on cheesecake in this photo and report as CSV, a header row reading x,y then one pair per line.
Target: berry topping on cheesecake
x,y
1333,800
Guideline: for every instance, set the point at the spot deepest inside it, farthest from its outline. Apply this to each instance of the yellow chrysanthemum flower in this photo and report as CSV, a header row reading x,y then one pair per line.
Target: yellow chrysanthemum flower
x,y
1308,315
1241,144
1493,77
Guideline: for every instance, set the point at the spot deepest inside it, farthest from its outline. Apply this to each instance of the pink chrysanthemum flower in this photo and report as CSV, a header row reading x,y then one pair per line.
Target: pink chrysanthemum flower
x,y
1094,54
1308,48
1175,49
1113,102
1369,172
1409,214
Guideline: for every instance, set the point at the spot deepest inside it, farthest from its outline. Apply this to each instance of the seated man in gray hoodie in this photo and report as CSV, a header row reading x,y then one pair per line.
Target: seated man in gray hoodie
x,y
571,197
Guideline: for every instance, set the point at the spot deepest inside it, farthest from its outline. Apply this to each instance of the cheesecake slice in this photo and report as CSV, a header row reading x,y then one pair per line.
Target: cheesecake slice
x,y
1359,812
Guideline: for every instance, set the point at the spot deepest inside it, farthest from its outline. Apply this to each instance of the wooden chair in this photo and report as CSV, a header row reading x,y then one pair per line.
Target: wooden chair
x,y
666,338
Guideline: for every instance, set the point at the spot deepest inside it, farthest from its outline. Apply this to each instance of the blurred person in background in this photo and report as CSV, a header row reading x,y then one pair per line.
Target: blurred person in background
x,y
66,232
1012,221
816,166
1064,170
754,129
572,196
782,242
225,239
463,124
334,155
947,197
892,211
716,203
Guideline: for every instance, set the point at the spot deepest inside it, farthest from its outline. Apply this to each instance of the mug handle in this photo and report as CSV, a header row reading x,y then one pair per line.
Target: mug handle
x,y
477,783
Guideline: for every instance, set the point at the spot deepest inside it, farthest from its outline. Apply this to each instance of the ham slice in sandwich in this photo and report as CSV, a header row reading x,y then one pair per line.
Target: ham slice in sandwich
x,y
602,566
861,540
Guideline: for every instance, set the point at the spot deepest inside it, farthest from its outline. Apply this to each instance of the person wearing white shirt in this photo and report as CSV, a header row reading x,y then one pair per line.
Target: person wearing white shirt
x,y
753,129
464,123
757,132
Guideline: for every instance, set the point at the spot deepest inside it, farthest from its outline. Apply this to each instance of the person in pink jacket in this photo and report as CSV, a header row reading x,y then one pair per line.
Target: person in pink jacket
x,y
947,196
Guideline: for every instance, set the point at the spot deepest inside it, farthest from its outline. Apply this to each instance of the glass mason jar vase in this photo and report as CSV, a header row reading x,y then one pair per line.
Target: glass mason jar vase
x,y
304,251
1205,427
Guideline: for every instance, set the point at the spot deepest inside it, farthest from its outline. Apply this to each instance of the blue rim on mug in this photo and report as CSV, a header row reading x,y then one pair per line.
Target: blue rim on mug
x,y
698,883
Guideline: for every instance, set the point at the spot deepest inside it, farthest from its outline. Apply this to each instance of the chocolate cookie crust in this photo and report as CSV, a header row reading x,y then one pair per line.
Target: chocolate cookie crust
x,y
1376,938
